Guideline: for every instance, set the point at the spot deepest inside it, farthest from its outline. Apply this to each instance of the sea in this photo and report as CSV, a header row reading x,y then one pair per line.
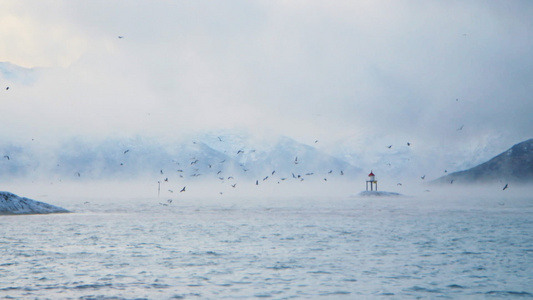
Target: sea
x,y
276,248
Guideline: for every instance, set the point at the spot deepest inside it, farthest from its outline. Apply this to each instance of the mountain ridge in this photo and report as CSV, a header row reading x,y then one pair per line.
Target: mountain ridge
x,y
513,165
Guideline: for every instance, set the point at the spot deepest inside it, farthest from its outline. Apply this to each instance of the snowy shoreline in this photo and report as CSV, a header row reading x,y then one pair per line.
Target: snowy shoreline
x,y
11,204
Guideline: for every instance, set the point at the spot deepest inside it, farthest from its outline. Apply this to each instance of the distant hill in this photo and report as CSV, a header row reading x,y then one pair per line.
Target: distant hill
x,y
514,165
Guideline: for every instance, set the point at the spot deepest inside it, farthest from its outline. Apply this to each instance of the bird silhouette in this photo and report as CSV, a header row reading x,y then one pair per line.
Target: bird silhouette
x,y
408,144
233,185
7,156
183,189
461,128
126,151
120,37
389,146
505,187
423,177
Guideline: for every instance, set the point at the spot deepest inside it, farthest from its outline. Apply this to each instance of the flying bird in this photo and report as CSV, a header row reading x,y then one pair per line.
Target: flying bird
x,y
423,177
240,151
126,151
296,160
7,156
120,37
7,88
183,189
461,128
389,146
408,144
505,187
233,185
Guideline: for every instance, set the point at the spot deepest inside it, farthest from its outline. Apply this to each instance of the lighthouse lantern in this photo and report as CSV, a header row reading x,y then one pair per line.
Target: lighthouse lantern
x,y
372,180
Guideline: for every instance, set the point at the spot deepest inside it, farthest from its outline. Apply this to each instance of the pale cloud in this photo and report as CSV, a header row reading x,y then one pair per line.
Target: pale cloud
x,y
389,70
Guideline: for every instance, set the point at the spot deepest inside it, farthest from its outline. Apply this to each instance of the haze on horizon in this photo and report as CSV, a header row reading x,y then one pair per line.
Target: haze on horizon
x,y
451,78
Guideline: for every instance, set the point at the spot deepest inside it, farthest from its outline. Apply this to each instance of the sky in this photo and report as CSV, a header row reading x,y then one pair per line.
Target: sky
x,y
447,76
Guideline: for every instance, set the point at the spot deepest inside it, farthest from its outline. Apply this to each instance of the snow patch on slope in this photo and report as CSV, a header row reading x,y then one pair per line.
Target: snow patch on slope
x,y
11,204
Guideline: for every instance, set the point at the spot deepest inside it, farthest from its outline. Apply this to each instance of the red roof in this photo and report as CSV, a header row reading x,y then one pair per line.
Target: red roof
x,y
371,174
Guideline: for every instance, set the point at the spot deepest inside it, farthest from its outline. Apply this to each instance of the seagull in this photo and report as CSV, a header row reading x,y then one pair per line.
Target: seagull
x,y
296,160
120,37
408,144
7,88
233,185
6,156
219,139
451,181
423,177
169,201
316,141
399,183
257,182
161,172
240,151
126,151
461,128
265,178
273,172
166,179
171,191
342,172
505,187
389,146
183,189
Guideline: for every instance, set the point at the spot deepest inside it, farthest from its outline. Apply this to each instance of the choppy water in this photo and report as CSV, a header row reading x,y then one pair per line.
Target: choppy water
x,y
287,248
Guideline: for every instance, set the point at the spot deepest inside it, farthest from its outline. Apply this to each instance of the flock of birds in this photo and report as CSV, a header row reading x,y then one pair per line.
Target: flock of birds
x,y
273,172
216,169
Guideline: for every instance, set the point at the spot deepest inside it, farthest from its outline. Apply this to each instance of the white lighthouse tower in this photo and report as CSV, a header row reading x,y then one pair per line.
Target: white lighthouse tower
x,y
372,180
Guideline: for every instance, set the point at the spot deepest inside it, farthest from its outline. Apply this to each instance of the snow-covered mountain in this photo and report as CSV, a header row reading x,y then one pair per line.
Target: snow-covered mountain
x,y
203,157
513,165
11,204
10,73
